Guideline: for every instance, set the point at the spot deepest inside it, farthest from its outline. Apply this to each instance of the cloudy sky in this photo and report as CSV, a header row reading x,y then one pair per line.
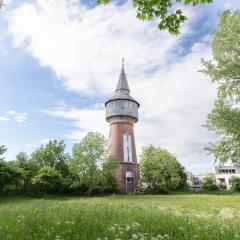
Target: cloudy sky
x,y
60,60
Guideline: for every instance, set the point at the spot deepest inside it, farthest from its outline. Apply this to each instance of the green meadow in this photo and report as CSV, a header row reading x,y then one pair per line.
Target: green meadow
x,y
177,217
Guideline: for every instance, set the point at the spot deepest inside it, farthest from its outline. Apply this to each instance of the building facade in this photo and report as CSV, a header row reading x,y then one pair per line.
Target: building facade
x,y
195,181
122,114
224,175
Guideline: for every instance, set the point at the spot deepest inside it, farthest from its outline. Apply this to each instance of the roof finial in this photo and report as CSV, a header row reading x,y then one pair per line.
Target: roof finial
x,y
123,62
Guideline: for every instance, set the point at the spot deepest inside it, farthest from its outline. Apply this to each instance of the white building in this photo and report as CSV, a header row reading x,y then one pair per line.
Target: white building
x,y
224,174
195,181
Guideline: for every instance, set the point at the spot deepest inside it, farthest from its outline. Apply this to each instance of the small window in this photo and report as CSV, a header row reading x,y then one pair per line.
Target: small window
x,y
222,180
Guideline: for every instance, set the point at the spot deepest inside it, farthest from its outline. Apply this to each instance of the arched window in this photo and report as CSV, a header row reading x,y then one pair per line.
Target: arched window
x,y
127,147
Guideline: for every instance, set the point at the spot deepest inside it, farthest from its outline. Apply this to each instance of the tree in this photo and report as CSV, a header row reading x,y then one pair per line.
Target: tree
x,y
2,151
28,166
90,162
235,184
209,184
161,171
163,11
109,181
48,180
224,120
5,175
52,155
9,174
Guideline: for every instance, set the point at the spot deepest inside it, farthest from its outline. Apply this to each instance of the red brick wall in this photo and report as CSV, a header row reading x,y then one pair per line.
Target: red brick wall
x,y
117,129
121,173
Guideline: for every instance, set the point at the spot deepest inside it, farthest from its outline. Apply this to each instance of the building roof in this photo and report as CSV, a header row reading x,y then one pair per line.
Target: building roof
x,y
122,82
122,91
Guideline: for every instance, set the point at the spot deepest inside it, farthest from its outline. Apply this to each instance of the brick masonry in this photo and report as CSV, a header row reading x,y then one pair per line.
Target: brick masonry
x,y
117,129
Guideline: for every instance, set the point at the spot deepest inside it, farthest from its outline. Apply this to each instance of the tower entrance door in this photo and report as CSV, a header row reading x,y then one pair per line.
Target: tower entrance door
x,y
129,181
129,185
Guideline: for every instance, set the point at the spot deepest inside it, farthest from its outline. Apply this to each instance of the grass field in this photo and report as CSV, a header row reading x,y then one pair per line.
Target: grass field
x,y
121,217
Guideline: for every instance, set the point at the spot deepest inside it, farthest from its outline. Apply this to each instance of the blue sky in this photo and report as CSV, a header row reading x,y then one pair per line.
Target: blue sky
x,y
60,60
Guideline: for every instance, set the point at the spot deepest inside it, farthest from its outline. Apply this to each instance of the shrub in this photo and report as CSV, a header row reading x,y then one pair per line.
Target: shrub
x,y
48,180
210,185
94,191
236,184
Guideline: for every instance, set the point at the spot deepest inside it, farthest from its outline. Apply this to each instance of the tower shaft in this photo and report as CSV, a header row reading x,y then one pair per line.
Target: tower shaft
x,y
122,113
124,150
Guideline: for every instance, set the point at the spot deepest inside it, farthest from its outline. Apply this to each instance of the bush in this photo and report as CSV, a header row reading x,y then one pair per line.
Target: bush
x,y
48,180
236,184
210,185
94,191
110,190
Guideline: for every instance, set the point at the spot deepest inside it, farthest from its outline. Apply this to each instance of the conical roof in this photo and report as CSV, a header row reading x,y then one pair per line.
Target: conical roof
x,y
122,91
122,82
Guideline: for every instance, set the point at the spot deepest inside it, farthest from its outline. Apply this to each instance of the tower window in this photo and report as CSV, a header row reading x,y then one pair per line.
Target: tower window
x,y
127,147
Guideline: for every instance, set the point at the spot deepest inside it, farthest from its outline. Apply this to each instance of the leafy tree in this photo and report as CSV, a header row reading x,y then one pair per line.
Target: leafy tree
x,y
90,162
109,181
224,70
163,11
28,166
9,175
209,184
235,184
2,151
22,159
5,175
48,180
52,155
160,170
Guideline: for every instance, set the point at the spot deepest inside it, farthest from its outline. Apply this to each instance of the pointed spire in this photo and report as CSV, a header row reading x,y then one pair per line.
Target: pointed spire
x,y
122,82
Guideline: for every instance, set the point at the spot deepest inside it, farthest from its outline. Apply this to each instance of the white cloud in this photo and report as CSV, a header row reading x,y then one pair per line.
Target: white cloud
x,y
12,116
231,4
84,47
4,119
11,112
84,120
39,142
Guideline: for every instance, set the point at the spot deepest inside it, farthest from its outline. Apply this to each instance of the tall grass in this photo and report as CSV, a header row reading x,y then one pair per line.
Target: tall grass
x,y
121,217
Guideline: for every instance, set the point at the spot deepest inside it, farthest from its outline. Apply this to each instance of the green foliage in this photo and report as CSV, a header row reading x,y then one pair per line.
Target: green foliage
x,y
109,182
91,163
224,119
29,167
48,180
209,184
162,10
52,155
49,169
2,151
161,171
10,174
94,191
236,184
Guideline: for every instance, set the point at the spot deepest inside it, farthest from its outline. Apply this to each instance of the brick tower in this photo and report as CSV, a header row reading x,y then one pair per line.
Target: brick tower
x,y
122,113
